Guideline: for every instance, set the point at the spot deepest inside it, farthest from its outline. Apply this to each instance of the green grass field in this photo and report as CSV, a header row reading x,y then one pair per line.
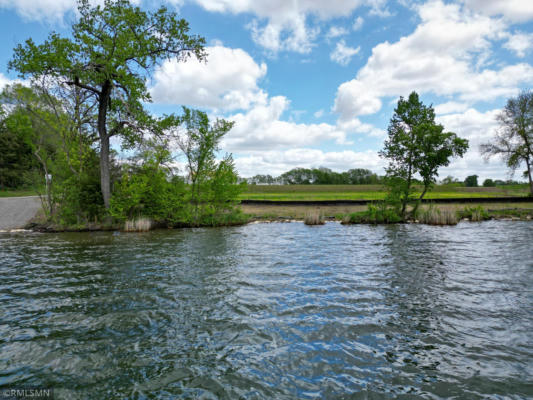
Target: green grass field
x,y
370,192
17,193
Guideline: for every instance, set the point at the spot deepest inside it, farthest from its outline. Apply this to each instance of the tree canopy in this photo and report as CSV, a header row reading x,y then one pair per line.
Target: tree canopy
x,y
514,138
319,176
113,49
416,144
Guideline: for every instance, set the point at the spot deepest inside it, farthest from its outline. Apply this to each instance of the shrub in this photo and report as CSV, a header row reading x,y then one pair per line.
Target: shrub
x,y
477,213
375,214
314,218
138,225
434,216
148,192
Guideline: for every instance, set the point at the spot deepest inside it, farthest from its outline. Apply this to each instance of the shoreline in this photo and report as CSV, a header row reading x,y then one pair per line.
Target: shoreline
x,y
503,214
286,212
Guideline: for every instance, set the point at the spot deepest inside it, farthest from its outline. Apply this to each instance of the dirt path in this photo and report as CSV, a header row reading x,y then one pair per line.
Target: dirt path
x,y
16,212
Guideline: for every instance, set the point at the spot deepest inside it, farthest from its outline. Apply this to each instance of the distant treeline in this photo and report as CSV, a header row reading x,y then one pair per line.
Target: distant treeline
x,y
318,176
356,176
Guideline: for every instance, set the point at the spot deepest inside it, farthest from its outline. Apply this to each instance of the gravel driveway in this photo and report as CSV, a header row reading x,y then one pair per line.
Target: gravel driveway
x,y
16,212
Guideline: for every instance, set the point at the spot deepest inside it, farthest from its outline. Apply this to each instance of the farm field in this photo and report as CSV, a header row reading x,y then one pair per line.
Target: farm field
x,y
370,192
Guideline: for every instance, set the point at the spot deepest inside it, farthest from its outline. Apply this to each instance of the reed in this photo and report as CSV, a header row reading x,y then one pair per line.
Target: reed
x,y
474,214
435,216
138,225
314,218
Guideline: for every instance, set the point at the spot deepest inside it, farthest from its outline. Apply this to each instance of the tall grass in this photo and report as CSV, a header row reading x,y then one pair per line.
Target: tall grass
x,y
314,218
140,224
434,216
475,214
375,214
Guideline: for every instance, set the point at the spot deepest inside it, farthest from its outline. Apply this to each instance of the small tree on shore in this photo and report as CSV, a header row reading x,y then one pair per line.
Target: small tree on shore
x,y
513,141
199,140
416,144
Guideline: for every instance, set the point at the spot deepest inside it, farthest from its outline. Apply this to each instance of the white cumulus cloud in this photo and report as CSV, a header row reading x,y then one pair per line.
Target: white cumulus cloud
x,y
336,31
227,81
284,25
513,10
277,162
261,128
520,43
46,10
445,55
343,54
358,23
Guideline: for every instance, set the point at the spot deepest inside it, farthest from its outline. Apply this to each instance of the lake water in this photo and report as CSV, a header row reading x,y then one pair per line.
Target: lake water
x,y
271,311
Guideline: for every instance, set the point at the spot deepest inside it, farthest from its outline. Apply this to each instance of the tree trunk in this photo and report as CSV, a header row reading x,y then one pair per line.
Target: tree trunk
x,y
420,199
406,192
529,176
105,176
410,173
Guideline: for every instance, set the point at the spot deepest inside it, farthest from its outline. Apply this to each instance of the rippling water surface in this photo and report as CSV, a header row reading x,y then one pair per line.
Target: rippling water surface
x,y
271,311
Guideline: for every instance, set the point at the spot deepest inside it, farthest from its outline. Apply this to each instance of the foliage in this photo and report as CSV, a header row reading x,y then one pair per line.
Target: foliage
x,y
149,190
477,213
450,180
112,50
471,181
417,145
513,141
16,159
60,145
432,215
488,183
314,218
213,187
320,176
379,213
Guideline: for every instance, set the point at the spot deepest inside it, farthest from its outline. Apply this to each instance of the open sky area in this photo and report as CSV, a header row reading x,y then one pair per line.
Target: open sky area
x,y
313,83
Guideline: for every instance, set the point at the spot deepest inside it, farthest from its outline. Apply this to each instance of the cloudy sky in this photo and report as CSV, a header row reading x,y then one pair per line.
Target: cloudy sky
x,y
314,83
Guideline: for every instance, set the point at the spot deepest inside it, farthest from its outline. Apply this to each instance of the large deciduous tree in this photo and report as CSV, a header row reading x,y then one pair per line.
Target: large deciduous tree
x,y
417,145
112,50
514,138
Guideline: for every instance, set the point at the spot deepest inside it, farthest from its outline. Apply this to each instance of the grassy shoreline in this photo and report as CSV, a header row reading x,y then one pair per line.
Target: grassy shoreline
x,y
292,213
337,212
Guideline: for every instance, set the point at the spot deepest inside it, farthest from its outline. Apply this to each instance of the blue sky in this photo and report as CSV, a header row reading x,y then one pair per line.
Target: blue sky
x,y
314,83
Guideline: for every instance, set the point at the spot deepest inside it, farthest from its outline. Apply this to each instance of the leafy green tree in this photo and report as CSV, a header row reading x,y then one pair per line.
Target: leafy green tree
x,y
450,180
31,121
436,148
200,141
224,189
55,129
16,159
361,176
112,51
268,179
488,183
513,141
149,189
471,181
297,176
417,145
